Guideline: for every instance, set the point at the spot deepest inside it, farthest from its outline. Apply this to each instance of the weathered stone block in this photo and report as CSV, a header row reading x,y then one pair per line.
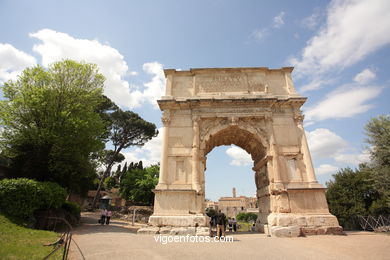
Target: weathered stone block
x,y
310,231
286,221
202,231
293,231
180,231
334,231
148,230
301,221
165,230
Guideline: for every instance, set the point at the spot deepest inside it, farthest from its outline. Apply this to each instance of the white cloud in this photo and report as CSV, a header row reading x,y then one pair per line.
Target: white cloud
x,y
13,62
353,158
149,154
240,156
353,30
316,83
312,21
278,20
365,76
324,143
56,46
259,34
326,169
343,102
156,87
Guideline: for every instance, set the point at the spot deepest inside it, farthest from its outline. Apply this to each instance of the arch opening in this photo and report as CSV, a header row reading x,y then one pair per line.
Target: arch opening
x,y
230,185
239,137
253,145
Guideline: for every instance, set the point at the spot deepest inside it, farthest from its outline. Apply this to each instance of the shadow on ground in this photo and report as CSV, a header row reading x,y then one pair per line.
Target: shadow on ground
x,y
89,224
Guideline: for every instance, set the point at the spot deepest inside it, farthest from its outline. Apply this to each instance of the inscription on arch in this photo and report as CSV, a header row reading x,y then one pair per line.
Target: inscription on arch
x,y
231,83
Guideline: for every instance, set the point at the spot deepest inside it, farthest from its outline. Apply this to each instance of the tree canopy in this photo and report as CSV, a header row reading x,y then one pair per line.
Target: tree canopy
x,y
127,129
351,193
364,191
52,123
137,184
378,133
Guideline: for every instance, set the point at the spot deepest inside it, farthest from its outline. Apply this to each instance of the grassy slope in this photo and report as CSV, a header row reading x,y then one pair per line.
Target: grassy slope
x,y
17,242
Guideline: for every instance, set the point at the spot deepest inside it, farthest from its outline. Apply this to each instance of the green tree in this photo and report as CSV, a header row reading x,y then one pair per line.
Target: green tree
x,y
378,133
352,193
109,183
137,184
127,129
52,125
247,216
105,157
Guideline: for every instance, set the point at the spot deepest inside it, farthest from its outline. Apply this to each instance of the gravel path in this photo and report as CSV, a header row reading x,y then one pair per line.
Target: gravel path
x,y
120,241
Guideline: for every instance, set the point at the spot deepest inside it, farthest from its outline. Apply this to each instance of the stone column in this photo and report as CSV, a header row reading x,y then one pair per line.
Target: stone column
x,y
195,153
164,155
168,90
275,161
311,177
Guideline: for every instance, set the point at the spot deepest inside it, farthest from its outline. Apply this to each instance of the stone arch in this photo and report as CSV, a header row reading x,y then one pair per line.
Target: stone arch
x,y
257,109
239,135
236,135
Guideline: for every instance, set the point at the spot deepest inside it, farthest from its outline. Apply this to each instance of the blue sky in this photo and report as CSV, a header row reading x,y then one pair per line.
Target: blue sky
x,y
340,51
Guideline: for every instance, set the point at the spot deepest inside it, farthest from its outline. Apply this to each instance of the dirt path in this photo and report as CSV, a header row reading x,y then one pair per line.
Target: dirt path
x,y
119,241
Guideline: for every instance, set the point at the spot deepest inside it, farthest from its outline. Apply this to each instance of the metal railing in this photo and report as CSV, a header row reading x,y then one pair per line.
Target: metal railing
x,y
371,223
65,239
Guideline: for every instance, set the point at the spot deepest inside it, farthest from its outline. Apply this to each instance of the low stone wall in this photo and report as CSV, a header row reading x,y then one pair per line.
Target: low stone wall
x,y
294,225
142,213
174,231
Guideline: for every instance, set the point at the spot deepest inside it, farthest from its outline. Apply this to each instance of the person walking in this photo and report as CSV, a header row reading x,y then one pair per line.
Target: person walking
x,y
108,217
221,225
234,222
230,223
103,214
212,225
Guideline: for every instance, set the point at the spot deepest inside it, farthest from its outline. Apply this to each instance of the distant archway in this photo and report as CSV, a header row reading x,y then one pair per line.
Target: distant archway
x,y
258,110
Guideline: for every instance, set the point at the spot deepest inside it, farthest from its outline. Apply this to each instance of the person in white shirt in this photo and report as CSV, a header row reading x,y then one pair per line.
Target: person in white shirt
x,y
108,217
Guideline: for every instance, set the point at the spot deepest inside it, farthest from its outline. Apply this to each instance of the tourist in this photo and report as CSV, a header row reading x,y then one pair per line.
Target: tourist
x,y
253,227
221,224
103,214
213,224
230,222
234,225
108,217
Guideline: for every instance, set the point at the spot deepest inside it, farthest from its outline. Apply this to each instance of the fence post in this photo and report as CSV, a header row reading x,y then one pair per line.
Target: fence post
x,y
134,210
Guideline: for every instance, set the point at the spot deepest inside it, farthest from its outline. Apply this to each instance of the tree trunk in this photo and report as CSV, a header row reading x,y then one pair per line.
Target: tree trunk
x,y
106,172
100,187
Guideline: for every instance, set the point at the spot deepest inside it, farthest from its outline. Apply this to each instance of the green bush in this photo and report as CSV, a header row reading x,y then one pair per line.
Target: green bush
x,y
211,212
21,197
72,207
246,217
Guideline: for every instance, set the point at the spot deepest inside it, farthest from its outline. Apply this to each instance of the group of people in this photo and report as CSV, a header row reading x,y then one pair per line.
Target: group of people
x,y
105,216
220,221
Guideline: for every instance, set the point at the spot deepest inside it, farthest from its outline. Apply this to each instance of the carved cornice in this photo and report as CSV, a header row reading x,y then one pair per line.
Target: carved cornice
x,y
299,117
230,101
166,118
